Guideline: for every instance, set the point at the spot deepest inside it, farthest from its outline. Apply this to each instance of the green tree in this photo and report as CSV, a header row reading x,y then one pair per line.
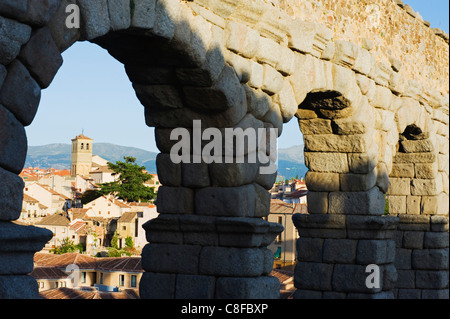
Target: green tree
x,y
67,246
130,184
90,195
114,240
129,242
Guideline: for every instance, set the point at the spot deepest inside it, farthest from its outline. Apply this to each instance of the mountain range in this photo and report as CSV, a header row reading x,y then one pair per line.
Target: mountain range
x,y
290,160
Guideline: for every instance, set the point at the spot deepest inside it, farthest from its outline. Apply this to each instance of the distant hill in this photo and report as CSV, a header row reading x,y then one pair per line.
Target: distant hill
x,y
59,155
290,160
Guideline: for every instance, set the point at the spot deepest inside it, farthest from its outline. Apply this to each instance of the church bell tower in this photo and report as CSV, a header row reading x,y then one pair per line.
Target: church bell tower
x,y
81,156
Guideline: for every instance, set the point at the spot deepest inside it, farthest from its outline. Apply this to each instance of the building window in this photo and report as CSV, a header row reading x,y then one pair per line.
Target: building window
x,y
82,146
83,277
133,281
121,280
124,227
101,278
87,146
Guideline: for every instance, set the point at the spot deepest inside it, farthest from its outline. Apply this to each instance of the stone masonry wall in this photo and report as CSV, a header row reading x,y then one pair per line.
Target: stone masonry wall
x,y
250,64
393,32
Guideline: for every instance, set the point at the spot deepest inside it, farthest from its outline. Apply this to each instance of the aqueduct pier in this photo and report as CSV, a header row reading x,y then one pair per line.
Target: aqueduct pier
x,y
368,84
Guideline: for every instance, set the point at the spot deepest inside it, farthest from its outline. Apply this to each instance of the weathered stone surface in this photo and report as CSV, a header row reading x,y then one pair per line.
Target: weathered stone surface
x,y
169,174
397,205
41,57
435,240
225,201
183,205
322,182
63,36
11,195
94,18
228,261
431,259
272,80
364,163
19,238
13,8
143,14
403,259
317,202
432,279
157,286
326,162
241,39
20,93
351,278
375,252
336,251
426,186
369,202
167,12
194,287
429,205
286,99
402,170
18,287
247,288
358,143
399,186
426,170
164,258
314,276
158,96
195,175
358,182
120,14
315,125
12,36
413,205
310,249
232,174
13,142
39,12
418,146
262,201
225,94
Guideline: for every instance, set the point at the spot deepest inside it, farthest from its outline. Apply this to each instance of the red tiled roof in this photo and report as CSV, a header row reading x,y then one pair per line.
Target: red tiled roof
x,y
28,198
48,273
280,207
297,193
62,261
130,264
55,220
68,293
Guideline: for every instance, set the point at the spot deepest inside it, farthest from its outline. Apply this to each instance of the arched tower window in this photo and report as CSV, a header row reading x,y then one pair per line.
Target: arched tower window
x,y
82,146
87,146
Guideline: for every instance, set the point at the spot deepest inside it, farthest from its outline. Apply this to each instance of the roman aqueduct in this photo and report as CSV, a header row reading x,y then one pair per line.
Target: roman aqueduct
x,y
368,84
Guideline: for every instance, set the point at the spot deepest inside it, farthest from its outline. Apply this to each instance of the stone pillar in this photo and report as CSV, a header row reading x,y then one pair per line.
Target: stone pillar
x,y
418,194
210,240
29,60
346,247
17,243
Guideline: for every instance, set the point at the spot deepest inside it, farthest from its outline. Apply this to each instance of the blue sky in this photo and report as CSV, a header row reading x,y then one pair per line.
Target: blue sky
x,y
91,92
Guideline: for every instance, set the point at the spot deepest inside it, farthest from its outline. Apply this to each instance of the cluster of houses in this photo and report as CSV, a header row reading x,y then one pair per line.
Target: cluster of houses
x,y
51,200
92,224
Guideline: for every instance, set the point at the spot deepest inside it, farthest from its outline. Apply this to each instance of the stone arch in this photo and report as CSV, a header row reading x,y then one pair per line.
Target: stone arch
x,y
231,64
